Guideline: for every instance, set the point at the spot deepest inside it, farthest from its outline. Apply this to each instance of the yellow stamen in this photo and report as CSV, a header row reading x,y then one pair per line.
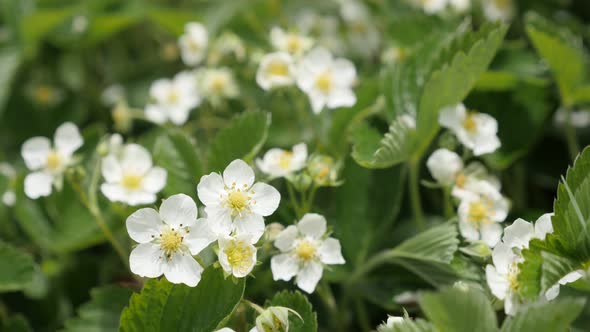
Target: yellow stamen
x,y
305,250
285,159
294,44
131,181
478,212
173,97
53,161
218,83
239,254
237,201
170,241
460,180
278,68
469,123
513,276
44,94
324,82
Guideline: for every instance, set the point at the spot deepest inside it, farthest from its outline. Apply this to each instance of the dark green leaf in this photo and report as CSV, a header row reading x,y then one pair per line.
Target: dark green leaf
x,y
17,268
299,303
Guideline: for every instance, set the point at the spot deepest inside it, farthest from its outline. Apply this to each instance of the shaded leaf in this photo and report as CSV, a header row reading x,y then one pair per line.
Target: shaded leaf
x,y
298,302
17,268
545,316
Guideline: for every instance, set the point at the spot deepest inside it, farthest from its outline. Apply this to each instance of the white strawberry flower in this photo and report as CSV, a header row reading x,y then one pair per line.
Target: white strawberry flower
x,y
390,323
48,163
281,163
432,6
498,10
363,35
326,81
234,203
168,240
502,277
290,42
172,100
237,255
275,70
476,131
217,84
460,5
193,43
444,166
481,211
305,250
475,171
131,177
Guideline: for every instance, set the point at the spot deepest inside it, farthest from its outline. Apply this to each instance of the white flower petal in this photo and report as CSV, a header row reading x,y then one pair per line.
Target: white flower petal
x,y
38,184
146,261
344,72
155,180
317,101
552,292
452,117
444,165
543,226
200,236
136,159
139,198
309,276
330,252
285,241
34,151
265,199
497,282
312,225
111,169
211,189
284,267
183,269
491,233
114,192
144,225
179,115
571,277
468,230
343,97
179,210
502,256
68,139
251,224
219,219
156,113
518,234
238,174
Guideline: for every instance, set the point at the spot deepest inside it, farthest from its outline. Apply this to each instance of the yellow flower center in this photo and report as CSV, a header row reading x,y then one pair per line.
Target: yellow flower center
x,y
285,159
194,46
43,94
131,181
239,254
278,68
305,250
460,180
469,123
324,82
53,161
173,97
478,212
237,200
170,241
294,44
218,83
513,276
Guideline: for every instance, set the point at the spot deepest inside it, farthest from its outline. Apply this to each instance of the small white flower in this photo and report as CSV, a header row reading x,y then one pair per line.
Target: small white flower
x,y
432,6
502,277
282,163
392,55
168,240
460,5
173,99
363,35
79,23
406,297
393,320
7,170
228,44
475,171
521,232
237,255
131,177
498,10
275,70
9,198
444,166
193,43
481,212
326,81
49,163
324,28
217,84
304,252
477,131
290,42
112,95
234,203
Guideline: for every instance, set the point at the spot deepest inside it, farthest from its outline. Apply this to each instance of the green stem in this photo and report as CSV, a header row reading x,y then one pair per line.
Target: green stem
x,y
309,201
325,293
362,315
448,205
570,136
293,199
379,259
414,190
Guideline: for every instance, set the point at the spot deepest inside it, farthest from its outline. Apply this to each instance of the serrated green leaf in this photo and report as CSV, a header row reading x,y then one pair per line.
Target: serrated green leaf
x,y
459,309
545,316
163,306
555,44
102,313
454,75
17,268
241,139
299,303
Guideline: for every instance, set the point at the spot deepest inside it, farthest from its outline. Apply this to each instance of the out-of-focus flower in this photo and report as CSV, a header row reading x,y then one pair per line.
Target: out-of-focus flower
x,y
131,177
217,84
275,70
304,252
237,255
390,323
325,29
393,55
502,277
9,198
193,43
167,241
432,6
112,95
79,24
44,94
228,44
326,81
476,131
498,10
49,163
323,170
281,163
578,119
274,319
474,171
290,42
460,6
363,36
122,117
444,166
172,100
234,203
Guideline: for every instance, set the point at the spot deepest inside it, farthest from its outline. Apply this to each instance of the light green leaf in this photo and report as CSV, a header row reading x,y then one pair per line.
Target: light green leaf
x,y
454,75
9,63
545,316
102,313
104,26
17,268
299,303
163,306
172,20
459,309
37,25
409,325
555,44
241,139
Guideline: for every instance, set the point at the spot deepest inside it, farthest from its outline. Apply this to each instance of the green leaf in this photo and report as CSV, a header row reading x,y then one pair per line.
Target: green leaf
x,y
102,313
17,268
173,20
9,63
104,26
555,44
299,303
38,24
545,316
459,309
454,75
572,209
176,152
409,325
163,306
241,139
372,150
16,323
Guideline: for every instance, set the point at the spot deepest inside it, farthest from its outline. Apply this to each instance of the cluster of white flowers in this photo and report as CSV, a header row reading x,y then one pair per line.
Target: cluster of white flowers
x,y
326,80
